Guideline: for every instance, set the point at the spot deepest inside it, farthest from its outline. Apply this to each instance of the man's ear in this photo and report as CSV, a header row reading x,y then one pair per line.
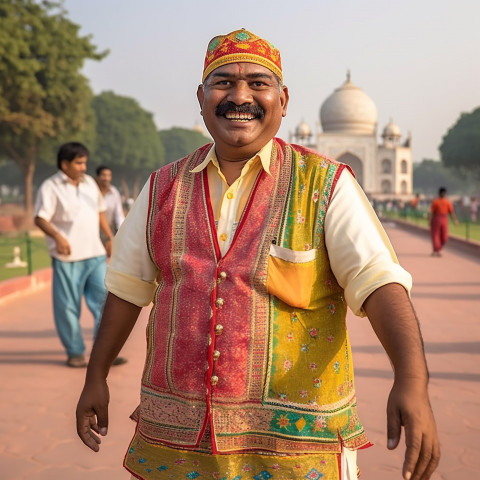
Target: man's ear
x,y
284,98
200,96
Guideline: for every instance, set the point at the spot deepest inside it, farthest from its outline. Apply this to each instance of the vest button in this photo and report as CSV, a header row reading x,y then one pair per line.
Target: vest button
x,y
219,302
214,380
216,355
223,275
218,329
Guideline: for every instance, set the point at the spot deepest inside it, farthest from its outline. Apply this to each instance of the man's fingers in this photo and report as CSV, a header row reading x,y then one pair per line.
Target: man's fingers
x,y
91,441
415,417
434,461
427,461
92,414
394,429
84,430
423,460
102,420
413,441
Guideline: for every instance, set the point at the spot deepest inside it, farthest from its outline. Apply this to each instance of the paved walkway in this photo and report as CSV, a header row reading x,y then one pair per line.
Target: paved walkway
x,y
39,394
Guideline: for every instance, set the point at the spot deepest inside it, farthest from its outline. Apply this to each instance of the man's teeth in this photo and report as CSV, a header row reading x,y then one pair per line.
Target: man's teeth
x,y
239,117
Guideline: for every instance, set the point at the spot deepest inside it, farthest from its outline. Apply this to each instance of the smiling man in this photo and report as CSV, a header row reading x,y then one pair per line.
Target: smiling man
x,y
253,250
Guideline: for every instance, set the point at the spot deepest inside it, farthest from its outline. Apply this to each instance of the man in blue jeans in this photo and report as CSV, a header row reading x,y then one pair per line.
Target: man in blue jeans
x,y
70,210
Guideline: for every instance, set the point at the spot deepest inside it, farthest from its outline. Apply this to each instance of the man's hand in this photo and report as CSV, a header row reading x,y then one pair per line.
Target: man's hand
x,y
119,317
63,247
394,321
61,243
92,413
408,405
108,247
105,228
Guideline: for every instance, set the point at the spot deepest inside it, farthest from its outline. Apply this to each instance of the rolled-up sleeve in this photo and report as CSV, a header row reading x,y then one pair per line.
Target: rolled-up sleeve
x,y
361,255
131,274
46,201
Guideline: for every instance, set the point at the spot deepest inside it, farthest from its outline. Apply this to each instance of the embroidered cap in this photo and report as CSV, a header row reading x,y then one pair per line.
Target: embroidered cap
x,y
241,46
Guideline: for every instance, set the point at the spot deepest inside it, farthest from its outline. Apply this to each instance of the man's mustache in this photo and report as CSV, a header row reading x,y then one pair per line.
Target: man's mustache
x,y
255,110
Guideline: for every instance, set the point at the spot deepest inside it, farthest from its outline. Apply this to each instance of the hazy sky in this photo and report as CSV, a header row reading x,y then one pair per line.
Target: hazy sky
x,y
419,60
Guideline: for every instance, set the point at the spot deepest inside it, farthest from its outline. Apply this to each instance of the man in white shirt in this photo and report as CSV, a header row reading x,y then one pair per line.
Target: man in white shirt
x,y
113,200
70,210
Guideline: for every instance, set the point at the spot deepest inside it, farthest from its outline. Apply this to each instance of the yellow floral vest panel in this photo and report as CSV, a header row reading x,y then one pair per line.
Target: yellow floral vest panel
x,y
310,375
248,352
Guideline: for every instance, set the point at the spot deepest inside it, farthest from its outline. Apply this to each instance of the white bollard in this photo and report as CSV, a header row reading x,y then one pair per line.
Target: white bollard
x,y
17,261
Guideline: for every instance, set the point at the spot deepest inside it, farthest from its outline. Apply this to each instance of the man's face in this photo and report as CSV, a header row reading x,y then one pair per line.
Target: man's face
x,y
105,178
76,168
242,106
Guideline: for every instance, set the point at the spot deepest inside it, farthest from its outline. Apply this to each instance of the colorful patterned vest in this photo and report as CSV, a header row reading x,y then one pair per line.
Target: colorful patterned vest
x,y
247,352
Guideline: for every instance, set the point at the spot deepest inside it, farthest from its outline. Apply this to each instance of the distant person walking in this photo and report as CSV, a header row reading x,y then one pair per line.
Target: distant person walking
x,y
112,198
69,210
414,202
440,209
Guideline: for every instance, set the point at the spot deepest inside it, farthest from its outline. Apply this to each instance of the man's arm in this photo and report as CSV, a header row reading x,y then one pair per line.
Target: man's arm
x,y
118,320
105,228
62,245
393,319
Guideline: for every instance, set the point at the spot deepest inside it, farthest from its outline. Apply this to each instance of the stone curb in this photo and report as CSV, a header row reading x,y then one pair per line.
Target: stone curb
x,y
15,287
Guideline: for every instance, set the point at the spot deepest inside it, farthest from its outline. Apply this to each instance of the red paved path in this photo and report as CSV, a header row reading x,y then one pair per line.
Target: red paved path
x,y
38,393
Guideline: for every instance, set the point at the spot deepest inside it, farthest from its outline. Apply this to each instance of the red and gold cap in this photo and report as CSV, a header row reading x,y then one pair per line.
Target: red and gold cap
x,y
241,46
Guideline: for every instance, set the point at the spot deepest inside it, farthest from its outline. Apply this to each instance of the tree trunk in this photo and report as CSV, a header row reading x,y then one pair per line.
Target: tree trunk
x,y
28,175
26,164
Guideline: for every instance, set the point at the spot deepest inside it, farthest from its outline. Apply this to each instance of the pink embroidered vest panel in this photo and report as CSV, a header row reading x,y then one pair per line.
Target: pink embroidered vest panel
x,y
247,352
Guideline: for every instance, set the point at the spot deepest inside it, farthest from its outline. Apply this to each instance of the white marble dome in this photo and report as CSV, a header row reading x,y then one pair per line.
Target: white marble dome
x,y
391,130
303,130
349,110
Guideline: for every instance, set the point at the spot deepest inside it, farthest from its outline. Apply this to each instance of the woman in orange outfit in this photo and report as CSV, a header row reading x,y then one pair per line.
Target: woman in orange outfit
x,y
440,209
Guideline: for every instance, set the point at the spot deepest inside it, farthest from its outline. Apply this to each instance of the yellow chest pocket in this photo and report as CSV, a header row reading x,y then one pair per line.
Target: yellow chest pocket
x,y
291,275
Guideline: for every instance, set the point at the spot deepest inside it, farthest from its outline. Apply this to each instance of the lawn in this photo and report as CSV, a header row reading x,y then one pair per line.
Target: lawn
x,y
465,230
39,254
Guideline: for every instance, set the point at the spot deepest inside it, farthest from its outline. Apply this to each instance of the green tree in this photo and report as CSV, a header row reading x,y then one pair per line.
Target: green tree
x,y
430,175
11,175
43,97
460,148
179,142
127,140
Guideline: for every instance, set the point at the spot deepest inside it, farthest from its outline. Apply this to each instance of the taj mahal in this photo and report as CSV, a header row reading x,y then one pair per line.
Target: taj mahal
x,y
348,119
